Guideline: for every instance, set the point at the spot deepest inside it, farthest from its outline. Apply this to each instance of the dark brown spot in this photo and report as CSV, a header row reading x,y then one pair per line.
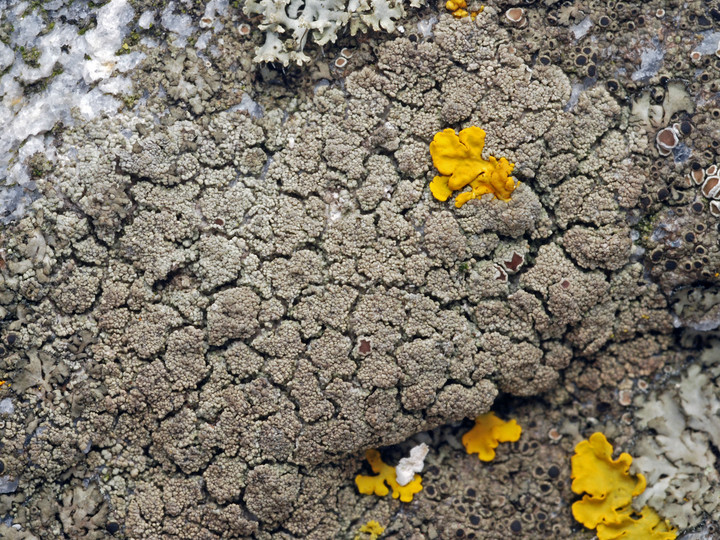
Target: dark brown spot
x,y
667,138
709,185
364,347
670,265
220,222
565,284
515,262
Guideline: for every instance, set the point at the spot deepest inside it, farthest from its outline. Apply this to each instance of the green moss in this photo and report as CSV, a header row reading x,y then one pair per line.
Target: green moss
x,y
6,29
130,42
130,100
30,56
39,165
645,228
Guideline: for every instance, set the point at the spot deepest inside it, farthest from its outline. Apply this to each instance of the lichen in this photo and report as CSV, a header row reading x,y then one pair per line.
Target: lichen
x,y
609,489
488,432
459,160
386,476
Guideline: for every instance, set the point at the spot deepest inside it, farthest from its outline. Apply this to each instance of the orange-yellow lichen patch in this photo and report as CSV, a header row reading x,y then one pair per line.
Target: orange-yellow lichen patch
x,y
609,489
649,526
370,531
458,159
608,486
378,485
458,8
488,432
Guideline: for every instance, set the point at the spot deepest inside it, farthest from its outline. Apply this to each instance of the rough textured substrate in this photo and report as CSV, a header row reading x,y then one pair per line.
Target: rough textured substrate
x,y
209,314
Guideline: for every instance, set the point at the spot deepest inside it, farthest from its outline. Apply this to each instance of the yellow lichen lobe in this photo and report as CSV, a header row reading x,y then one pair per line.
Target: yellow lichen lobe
x,y
609,486
609,489
458,9
370,531
488,432
368,485
458,159
650,526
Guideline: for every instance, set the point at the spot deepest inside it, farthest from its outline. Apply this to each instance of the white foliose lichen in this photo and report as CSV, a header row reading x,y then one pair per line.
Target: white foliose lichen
x,y
408,466
676,455
289,23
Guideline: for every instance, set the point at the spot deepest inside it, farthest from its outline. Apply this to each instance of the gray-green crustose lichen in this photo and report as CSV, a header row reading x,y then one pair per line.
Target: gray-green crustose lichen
x,y
270,295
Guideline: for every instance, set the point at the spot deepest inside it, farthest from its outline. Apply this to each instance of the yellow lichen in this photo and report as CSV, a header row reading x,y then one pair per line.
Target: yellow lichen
x,y
609,489
649,526
609,486
458,8
488,432
368,485
370,531
458,159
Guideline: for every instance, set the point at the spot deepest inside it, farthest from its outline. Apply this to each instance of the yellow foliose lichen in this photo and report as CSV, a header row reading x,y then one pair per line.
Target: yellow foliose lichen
x,y
458,159
378,485
370,531
488,432
458,9
650,526
609,489
608,486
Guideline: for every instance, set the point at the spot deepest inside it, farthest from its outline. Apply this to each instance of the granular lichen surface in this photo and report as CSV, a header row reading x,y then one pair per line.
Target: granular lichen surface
x,y
229,289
